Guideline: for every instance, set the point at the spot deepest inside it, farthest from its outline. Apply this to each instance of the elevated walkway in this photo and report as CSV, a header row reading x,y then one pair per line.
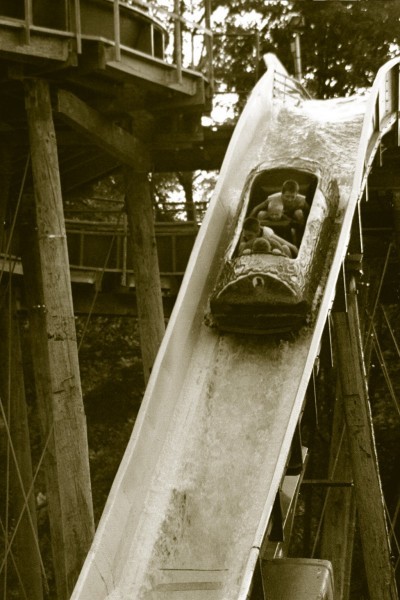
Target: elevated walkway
x,y
124,61
97,43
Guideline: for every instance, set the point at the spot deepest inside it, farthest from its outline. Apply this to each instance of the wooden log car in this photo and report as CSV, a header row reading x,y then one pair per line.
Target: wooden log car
x,y
266,293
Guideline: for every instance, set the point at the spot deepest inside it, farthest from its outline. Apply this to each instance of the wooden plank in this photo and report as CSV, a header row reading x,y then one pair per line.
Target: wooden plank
x,y
339,521
49,46
113,139
157,76
54,349
189,584
154,71
368,491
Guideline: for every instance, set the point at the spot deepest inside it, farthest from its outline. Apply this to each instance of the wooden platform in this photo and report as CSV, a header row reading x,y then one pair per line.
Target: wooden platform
x,y
117,66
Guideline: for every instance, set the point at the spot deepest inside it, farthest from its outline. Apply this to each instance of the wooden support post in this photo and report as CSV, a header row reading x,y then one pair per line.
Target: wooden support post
x,y
145,263
209,45
340,514
396,219
368,491
178,40
7,154
134,155
54,348
23,556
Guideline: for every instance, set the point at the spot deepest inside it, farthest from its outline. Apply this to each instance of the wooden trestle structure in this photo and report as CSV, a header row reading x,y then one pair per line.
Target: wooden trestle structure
x,y
75,104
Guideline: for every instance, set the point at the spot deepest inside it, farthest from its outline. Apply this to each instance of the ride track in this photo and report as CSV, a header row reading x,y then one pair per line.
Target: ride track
x,y
191,504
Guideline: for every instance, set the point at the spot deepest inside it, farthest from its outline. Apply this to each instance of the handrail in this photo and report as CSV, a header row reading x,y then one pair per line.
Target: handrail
x,y
291,86
174,245
78,26
83,256
95,227
164,213
283,84
28,20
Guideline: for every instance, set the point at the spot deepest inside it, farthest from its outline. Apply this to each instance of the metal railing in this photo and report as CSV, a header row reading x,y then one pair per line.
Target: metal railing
x,y
104,246
287,86
100,244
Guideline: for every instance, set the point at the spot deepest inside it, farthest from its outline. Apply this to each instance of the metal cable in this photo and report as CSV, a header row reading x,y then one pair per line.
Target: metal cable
x,y
15,565
378,293
391,532
390,328
8,445
26,496
107,258
385,370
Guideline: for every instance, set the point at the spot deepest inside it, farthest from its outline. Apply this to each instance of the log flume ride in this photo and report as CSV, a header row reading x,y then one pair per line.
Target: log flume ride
x,y
269,291
191,510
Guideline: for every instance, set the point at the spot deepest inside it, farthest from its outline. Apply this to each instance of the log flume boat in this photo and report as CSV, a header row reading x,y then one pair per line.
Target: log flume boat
x,y
191,512
269,292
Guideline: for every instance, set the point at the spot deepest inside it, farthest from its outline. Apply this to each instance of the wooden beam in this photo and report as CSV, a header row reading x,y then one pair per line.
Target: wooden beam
x,y
154,71
145,264
339,521
368,491
54,350
101,130
50,46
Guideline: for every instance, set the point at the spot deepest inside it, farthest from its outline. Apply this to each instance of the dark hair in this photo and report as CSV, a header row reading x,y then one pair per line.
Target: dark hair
x,y
290,185
251,224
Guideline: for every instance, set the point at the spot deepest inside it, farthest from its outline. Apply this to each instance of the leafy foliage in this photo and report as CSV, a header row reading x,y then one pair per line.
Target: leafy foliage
x,y
343,44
